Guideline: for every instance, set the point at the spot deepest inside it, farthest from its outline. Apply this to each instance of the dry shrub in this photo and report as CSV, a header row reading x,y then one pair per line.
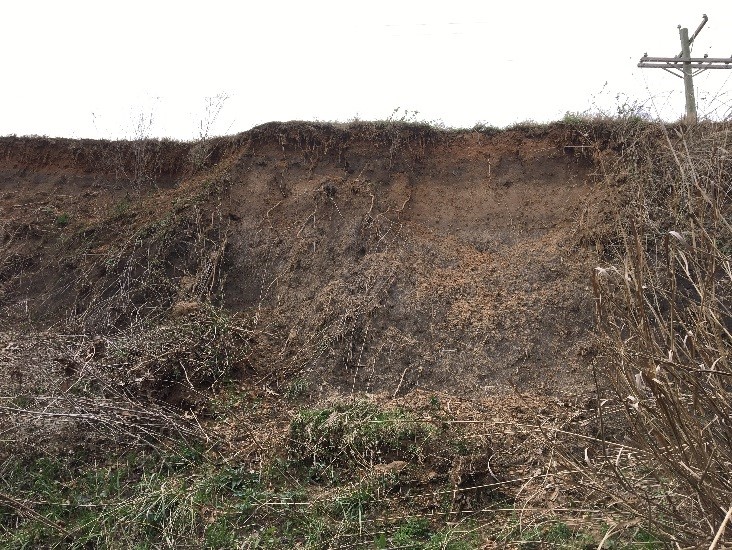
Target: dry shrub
x,y
132,389
198,347
663,310
176,256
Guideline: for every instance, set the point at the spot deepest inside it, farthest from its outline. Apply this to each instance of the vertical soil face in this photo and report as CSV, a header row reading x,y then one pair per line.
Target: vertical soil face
x,y
457,270
371,258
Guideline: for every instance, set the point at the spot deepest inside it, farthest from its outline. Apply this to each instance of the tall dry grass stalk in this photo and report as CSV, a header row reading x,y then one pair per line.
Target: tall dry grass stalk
x,y
663,312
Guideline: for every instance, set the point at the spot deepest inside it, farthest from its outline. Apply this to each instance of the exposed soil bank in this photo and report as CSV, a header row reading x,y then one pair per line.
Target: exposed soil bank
x,y
369,258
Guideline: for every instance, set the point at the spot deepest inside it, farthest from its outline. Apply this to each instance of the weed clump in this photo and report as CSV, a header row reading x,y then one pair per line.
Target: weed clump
x,y
359,434
196,351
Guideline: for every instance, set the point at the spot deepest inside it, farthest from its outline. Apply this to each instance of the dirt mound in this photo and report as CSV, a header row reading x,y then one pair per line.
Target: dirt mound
x,y
364,258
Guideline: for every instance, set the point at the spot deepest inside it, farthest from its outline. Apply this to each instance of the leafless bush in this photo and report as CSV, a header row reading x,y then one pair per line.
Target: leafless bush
x,y
133,388
663,311
200,151
175,257
72,398
196,349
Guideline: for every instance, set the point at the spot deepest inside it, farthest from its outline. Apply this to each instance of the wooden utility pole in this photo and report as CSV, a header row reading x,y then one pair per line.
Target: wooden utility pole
x,y
688,67
688,75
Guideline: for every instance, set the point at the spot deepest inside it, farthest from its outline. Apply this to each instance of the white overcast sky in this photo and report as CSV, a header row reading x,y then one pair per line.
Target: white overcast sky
x,y
96,68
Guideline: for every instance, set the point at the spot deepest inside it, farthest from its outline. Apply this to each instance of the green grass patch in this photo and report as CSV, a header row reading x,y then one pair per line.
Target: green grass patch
x,y
358,435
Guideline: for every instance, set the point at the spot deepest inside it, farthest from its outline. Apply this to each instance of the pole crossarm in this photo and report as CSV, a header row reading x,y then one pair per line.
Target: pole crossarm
x,y
678,62
696,32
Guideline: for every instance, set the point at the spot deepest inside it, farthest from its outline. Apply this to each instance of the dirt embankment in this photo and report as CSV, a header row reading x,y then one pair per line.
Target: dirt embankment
x,y
372,258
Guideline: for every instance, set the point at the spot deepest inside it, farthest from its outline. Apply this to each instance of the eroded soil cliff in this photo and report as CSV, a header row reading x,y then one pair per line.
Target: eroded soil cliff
x,y
368,258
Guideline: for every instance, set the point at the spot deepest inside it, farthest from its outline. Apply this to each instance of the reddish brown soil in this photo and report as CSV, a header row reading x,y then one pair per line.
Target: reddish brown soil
x,y
369,258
